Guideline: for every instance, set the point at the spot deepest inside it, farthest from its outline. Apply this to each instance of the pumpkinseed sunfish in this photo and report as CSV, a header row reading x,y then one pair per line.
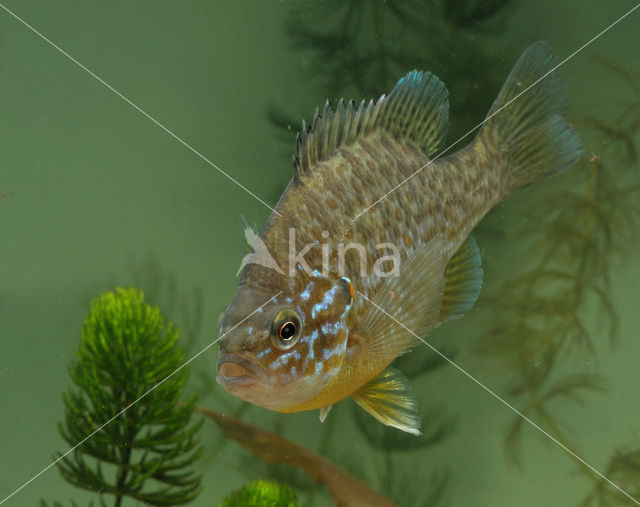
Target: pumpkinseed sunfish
x,y
322,331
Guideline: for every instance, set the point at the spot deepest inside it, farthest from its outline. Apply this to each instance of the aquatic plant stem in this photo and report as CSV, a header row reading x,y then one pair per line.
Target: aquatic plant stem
x,y
590,197
125,458
272,448
552,427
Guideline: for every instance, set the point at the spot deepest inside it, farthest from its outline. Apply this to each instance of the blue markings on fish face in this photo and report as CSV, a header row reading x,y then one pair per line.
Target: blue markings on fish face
x,y
311,340
328,299
304,296
328,353
331,327
318,306
263,353
284,359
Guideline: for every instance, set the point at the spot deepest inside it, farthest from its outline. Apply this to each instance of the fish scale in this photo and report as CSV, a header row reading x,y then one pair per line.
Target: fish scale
x,y
458,200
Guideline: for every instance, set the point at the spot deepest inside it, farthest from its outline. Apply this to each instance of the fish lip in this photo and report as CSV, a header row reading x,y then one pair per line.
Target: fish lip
x,y
254,371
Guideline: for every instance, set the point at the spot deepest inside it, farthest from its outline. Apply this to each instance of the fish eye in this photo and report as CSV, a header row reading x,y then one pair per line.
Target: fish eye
x,y
286,329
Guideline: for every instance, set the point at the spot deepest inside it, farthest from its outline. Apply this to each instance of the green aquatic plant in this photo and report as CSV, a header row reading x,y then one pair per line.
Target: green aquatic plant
x,y
544,316
361,49
624,470
262,494
161,289
135,438
366,45
397,479
186,306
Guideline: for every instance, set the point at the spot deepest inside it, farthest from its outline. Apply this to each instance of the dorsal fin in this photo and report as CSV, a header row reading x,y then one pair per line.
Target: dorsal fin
x,y
416,111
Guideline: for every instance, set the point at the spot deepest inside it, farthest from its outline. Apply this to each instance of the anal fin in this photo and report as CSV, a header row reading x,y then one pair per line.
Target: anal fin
x,y
387,398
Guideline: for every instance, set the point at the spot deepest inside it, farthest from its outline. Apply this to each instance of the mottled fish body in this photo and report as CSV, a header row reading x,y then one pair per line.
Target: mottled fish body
x,y
334,327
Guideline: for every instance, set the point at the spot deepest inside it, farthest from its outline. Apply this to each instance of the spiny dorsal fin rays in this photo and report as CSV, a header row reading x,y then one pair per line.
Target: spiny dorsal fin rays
x,y
332,139
413,298
387,398
462,281
416,111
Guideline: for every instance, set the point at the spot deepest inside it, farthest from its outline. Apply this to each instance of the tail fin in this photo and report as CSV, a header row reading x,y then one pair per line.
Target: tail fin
x,y
526,124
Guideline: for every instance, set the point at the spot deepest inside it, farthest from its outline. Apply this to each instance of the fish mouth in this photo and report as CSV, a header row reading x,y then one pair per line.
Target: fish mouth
x,y
234,370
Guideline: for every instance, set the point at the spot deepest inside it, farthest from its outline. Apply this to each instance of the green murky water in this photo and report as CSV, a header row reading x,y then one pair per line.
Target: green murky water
x,y
94,193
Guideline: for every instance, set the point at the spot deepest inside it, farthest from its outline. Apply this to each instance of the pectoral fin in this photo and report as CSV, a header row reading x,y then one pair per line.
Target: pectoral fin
x,y
462,281
387,398
407,305
324,411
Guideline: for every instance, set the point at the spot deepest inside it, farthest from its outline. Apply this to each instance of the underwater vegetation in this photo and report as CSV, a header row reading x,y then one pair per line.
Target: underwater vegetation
x,y
360,49
186,308
542,325
543,319
262,494
272,448
149,446
356,43
161,289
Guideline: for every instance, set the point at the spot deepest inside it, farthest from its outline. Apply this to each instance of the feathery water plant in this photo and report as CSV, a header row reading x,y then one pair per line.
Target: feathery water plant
x,y
544,315
262,494
362,48
147,451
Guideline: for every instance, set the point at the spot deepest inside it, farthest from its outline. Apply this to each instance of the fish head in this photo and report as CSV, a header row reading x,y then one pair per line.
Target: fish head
x,y
286,352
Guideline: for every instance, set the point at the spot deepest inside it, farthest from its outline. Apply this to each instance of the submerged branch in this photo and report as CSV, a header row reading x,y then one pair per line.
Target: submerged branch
x,y
272,448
